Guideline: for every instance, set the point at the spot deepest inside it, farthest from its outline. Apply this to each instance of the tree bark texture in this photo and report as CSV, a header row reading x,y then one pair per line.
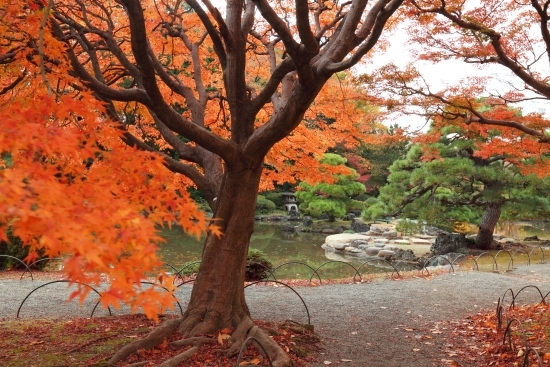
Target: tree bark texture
x,y
217,299
484,239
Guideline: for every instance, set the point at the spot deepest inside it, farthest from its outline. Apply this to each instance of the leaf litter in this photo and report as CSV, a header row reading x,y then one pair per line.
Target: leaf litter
x,y
92,341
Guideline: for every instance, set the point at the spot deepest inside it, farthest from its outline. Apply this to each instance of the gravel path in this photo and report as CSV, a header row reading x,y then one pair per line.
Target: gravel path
x,y
378,324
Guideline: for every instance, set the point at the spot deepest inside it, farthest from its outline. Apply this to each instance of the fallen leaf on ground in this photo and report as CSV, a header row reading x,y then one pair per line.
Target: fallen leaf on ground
x,y
222,337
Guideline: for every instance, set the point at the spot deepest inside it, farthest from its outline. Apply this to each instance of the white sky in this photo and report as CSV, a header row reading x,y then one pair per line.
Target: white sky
x,y
446,73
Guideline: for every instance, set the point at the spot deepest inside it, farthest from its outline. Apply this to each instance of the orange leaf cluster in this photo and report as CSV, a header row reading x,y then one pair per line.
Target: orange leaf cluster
x,y
68,185
70,188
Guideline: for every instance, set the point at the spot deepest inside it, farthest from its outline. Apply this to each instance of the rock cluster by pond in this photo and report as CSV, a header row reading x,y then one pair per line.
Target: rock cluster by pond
x,y
381,242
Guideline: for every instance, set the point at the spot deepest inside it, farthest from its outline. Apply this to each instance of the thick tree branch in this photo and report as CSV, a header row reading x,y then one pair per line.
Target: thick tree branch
x,y
543,138
369,34
344,38
7,57
212,32
292,47
248,17
304,30
178,87
106,92
285,119
164,112
272,84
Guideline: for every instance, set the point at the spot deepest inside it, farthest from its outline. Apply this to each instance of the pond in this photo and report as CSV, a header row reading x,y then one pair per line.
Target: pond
x,y
278,246
292,249
521,230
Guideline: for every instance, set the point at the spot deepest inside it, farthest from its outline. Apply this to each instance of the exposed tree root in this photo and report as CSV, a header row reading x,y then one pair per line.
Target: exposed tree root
x,y
139,364
278,356
153,339
175,361
196,341
239,335
193,323
244,329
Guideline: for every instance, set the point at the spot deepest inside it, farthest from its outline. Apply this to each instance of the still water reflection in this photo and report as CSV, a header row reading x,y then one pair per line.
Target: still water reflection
x,y
278,246
281,247
520,230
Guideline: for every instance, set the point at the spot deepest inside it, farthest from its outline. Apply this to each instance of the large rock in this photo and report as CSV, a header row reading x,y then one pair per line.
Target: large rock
x,y
391,234
432,231
288,229
401,254
372,251
336,256
358,243
307,221
407,255
385,253
353,250
359,227
338,246
349,216
343,240
337,230
450,242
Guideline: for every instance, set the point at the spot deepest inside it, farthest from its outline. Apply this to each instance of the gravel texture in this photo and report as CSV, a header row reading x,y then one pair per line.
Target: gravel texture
x,y
376,324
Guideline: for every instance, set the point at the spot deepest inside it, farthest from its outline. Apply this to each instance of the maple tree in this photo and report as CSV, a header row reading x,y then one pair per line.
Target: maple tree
x,y
503,39
102,99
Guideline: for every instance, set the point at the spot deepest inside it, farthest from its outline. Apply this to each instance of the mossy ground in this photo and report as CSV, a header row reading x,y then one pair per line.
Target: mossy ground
x,y
75,342
91,342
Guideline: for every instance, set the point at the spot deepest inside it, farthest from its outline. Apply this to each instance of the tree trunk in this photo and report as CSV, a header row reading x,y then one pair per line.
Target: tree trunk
x,y
484,239
217,299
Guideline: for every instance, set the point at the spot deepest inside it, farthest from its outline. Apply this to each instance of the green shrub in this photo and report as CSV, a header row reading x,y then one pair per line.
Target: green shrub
x,y
356,205
264,206
190,268
256,264
16,248
276,198
408,227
